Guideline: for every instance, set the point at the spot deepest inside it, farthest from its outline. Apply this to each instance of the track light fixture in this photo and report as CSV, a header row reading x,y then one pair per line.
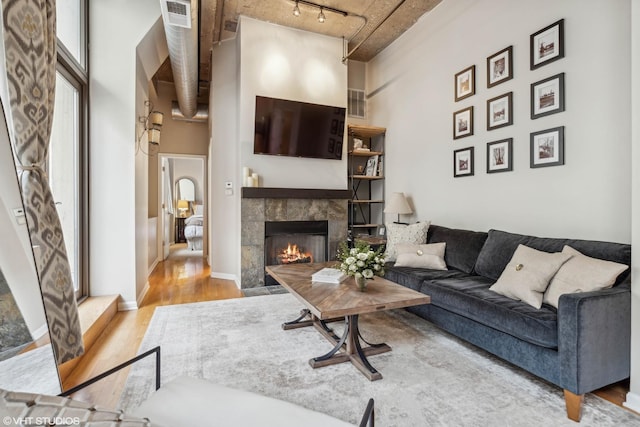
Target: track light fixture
x,y
321,16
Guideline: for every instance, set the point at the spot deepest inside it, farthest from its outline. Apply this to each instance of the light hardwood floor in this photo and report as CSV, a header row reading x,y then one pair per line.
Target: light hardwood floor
x,y
175,281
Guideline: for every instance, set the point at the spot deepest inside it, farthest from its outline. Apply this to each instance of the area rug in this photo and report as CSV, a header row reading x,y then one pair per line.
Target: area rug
x,y
429,379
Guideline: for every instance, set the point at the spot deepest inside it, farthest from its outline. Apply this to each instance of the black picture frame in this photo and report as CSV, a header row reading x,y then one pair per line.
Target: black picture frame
x,y
463,162
547,148
465,83
500,156
500,111
463,123
546,45
547,96
500,67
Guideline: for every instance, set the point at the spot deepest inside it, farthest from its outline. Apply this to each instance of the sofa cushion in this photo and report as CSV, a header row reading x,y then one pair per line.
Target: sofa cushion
x,y
421,256
463,246
470,297
412,277
500,246
403,233
581,274
528,274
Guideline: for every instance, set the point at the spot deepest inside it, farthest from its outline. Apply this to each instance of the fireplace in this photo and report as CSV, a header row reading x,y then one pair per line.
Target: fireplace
x,y
294,242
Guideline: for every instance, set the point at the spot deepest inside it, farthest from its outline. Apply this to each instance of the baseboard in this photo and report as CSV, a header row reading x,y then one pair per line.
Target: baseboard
x,y
153,267
633,402
142,294
127,305
40,332
226,276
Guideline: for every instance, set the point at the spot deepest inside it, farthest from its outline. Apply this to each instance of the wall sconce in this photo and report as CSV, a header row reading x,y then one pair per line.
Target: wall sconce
x,y
152,123
321,15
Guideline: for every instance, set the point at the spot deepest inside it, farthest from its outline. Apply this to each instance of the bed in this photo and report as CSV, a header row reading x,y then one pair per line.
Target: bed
x,y
193,232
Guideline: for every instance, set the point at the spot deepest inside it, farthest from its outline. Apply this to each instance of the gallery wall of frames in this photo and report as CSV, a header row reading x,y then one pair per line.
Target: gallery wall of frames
x,y
546,97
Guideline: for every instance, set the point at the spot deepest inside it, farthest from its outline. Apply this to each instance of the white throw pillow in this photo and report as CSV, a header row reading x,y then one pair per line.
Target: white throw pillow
x,y
421,256
528,274
582,274
402,233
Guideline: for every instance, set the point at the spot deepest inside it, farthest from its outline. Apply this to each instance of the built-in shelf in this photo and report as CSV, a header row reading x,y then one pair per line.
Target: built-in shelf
x,y
366,177
367,205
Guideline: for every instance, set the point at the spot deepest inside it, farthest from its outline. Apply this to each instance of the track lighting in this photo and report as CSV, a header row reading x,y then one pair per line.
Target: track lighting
x,y
321,16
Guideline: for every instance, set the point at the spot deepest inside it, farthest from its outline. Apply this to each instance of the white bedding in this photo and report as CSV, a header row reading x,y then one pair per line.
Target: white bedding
x,y
193,232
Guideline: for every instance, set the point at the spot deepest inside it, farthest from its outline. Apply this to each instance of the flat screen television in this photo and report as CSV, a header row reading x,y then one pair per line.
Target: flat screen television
x,y
298,129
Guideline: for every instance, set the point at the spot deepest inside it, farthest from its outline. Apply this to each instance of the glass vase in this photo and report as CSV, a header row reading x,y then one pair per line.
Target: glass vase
x,y
361,283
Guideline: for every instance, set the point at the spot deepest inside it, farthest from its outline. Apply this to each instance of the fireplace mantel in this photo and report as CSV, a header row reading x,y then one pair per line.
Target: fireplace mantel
x,y
293,193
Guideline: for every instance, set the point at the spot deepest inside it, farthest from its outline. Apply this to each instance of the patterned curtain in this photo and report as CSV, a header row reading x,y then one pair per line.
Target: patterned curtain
x,y
30,51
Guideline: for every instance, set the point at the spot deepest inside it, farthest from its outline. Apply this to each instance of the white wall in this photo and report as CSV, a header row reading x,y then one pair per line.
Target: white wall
x,y
282,62
118,254
279,62
633,397
224,210
410,85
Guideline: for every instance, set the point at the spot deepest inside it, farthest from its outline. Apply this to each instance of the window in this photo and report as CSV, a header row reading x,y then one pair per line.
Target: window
x,y
67,164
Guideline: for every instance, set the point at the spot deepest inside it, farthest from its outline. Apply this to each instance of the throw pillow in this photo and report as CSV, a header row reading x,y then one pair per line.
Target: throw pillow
x,y
528,274
402,233
421,256
582,274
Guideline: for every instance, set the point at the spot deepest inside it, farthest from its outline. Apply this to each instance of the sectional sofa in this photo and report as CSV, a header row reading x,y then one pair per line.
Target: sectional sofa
x,y
580,346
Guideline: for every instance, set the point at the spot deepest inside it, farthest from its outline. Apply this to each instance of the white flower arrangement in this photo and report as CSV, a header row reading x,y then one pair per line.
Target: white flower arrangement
x,y
361,260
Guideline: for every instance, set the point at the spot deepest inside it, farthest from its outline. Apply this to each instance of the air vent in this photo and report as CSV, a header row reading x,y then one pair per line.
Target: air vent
x,y
356,103
177,12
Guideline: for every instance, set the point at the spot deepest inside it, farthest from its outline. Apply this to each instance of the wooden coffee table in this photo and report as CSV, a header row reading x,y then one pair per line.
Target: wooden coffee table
x,y
326,302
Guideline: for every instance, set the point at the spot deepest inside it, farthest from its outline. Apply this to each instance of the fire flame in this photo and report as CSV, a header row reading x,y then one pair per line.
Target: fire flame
x,y
293,254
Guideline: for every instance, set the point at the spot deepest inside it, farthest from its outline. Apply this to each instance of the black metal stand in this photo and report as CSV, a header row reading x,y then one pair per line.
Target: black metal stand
x,y
121,366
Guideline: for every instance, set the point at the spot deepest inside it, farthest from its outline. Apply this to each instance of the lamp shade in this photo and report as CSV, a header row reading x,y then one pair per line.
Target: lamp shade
x,y
154,136
398,205
155,119
183,204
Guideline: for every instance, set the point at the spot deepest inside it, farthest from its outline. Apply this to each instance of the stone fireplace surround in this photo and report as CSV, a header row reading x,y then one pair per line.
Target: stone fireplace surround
x,y
260,204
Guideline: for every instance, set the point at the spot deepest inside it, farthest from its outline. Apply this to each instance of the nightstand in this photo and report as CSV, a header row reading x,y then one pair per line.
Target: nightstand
x,y
180,230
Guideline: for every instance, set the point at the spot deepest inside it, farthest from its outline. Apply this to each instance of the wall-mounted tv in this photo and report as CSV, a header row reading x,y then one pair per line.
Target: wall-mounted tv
x,y
298,129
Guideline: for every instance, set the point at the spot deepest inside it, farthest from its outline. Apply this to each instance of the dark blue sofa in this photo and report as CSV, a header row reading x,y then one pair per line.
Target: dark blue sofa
x,y
582,346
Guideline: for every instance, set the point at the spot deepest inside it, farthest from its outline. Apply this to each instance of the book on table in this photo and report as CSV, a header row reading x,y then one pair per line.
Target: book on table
x,y
328,275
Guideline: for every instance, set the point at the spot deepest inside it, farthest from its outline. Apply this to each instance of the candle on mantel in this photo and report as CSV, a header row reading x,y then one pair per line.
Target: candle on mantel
x,y
256,179
246,172
250,182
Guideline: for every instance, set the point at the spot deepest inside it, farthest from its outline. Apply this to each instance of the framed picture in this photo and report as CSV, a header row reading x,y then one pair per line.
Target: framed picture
x,y
463,123
547,148
463,162
499,157
372,166
465,83
547,45
547,96
500,111
500,67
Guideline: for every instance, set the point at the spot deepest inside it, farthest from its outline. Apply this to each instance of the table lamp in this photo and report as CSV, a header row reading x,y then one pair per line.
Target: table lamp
x,y
398,205
183,206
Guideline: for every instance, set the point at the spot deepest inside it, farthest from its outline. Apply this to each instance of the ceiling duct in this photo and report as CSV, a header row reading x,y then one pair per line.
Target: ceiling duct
x,y
201,115
181,28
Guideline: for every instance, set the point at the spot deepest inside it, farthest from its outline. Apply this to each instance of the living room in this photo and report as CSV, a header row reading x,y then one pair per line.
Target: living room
x,y
592,196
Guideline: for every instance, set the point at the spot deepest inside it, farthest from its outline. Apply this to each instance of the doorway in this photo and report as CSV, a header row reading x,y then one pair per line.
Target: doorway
x,y
182,206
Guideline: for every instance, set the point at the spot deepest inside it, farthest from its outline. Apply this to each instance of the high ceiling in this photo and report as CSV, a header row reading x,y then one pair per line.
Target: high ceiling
x,y
219,18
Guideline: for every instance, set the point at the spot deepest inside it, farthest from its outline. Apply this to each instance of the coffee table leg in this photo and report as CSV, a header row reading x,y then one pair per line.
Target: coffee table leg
x,y
358,358
353,351
299,322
